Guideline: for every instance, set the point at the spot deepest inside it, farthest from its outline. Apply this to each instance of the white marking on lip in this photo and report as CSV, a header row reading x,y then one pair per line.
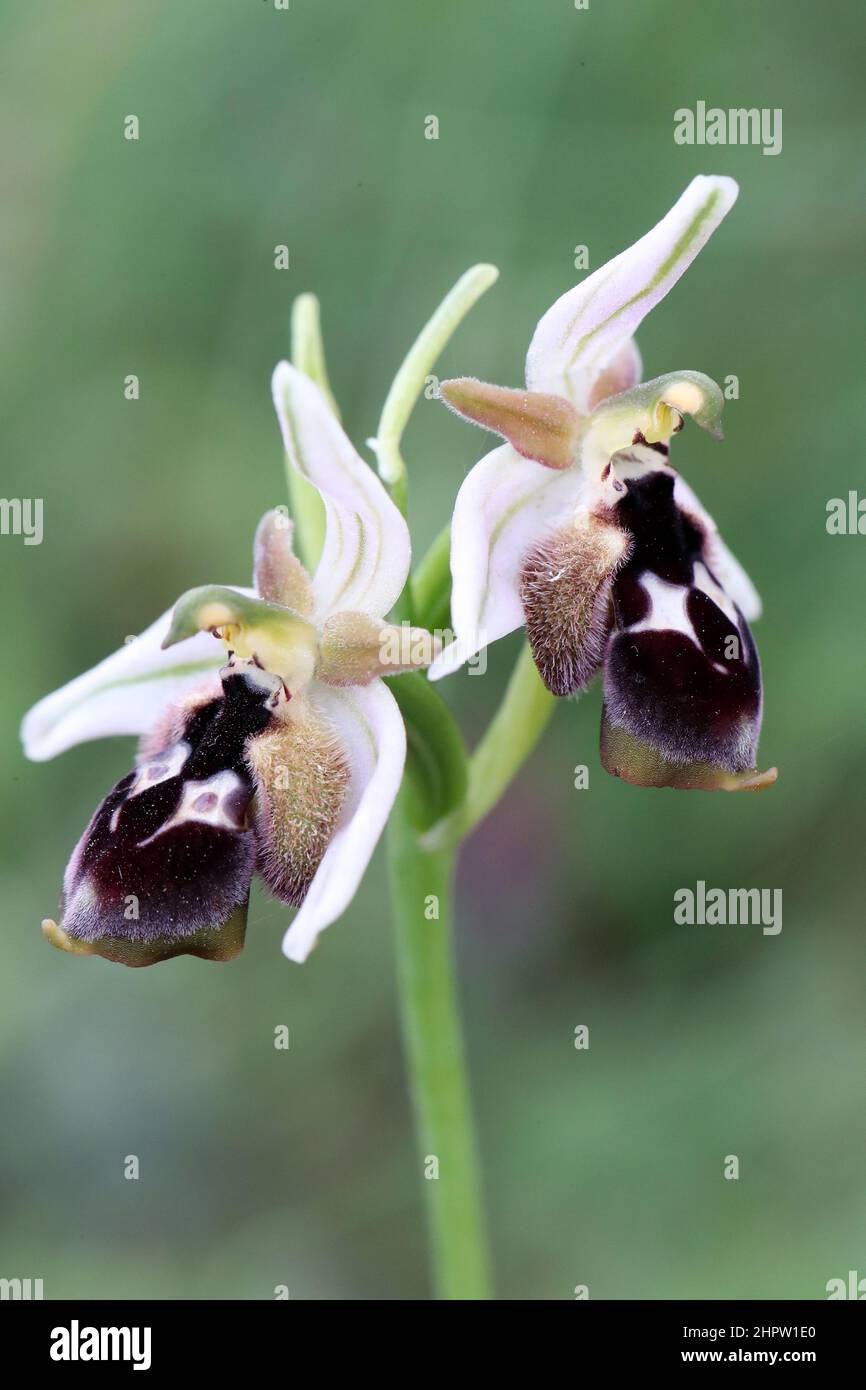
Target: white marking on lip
x,y
196,806
638,461
159,769
667,611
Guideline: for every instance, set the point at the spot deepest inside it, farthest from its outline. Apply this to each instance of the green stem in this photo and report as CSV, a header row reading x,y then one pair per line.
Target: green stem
x,y
421,877
420,888
509,739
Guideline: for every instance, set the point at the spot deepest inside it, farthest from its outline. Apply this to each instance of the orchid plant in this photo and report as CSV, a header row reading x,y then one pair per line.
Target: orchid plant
x,y
284,761
580,529
282,726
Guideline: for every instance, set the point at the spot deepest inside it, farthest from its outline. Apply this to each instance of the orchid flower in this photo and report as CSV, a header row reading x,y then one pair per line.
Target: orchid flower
x,y
282,758
580,529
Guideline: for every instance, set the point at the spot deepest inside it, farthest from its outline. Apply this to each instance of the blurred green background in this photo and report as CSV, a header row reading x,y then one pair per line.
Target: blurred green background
x,y
306,127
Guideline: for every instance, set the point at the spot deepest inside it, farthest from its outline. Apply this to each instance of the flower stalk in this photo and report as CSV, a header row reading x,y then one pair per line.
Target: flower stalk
x,y
421,897
515,729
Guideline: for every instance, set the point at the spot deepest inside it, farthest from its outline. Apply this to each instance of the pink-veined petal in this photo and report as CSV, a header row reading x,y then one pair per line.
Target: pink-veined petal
x,y
587,327
373,739
622,373
124,694
506,504
366,556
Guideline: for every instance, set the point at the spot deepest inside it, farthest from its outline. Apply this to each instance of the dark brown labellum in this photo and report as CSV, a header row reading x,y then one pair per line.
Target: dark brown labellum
x,y
164,867
681,672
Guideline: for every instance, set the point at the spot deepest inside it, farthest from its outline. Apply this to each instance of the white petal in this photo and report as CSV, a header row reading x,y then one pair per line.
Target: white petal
x,y
373,737
505,504
365,559
723,563
125,694
587,326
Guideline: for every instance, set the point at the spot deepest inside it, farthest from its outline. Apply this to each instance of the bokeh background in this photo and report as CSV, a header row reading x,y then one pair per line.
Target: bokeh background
x,y
306,127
